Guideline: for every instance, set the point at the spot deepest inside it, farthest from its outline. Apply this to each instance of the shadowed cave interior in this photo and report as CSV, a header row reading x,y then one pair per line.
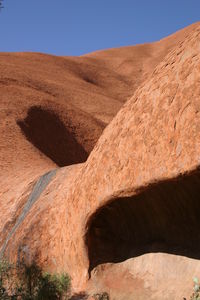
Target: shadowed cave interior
x,y
44,129
164,217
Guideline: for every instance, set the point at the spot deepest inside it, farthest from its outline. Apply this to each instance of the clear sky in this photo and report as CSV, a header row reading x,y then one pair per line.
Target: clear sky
x,y
75,27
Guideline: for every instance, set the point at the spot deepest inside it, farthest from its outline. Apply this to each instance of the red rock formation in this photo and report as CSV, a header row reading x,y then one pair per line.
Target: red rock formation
x,y
83,93
137,193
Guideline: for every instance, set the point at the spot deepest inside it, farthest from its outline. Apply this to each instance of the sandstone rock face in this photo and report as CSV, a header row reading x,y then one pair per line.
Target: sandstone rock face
x,y
150,276
128,217
76,96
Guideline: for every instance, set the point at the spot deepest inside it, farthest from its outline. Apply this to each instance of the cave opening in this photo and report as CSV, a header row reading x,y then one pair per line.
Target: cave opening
x,y
164,217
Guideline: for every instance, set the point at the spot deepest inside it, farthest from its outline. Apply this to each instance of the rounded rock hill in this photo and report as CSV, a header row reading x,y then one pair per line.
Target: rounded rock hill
x,y
124,220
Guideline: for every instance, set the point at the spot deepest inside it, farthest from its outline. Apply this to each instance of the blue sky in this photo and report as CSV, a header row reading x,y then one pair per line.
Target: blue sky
x,y
75,27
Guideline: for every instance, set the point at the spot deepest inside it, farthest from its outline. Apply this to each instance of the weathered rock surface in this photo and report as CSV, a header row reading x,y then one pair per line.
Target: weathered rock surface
x,y
136,197
150,276
76,96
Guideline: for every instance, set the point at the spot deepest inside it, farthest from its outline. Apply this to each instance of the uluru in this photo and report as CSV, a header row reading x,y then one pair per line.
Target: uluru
x,y
100,167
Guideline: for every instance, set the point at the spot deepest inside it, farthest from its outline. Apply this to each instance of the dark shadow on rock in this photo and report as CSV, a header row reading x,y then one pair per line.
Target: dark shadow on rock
x,y
79,296
44,129
164,217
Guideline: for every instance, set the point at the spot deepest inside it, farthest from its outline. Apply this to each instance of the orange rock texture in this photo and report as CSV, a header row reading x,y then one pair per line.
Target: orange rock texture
x,y
123,217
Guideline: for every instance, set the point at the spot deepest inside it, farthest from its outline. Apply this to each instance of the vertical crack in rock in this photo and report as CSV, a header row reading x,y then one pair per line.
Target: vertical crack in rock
x,y
39,187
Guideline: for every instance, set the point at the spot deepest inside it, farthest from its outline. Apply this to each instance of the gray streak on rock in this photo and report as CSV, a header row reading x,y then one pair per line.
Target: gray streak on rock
x,y
39,187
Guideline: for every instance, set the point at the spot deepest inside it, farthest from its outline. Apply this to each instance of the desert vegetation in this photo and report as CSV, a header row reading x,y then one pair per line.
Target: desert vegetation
x,y
196,293
31,283
22,282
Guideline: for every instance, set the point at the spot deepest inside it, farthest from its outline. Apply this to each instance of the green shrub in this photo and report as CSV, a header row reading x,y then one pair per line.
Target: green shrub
x,y
196,294
56,286
5,282
30,283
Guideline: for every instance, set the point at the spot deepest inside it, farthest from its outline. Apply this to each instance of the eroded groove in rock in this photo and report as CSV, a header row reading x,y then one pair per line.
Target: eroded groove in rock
x,y
162,218
39,187
44,129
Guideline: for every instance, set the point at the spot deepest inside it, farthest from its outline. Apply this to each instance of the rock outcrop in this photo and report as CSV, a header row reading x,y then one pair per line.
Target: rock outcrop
x,y
128,217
